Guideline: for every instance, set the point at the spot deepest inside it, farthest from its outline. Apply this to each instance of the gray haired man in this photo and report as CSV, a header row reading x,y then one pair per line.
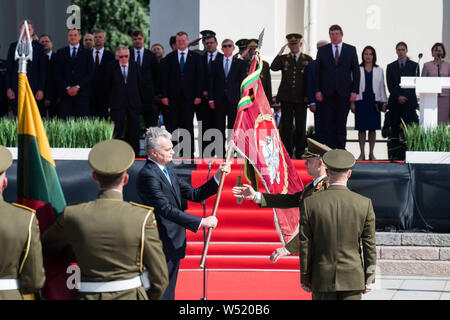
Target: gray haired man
x,y
159,186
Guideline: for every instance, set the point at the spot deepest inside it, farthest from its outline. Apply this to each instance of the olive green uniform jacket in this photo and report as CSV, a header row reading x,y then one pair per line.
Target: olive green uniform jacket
x,y
333,226
106,238
19,230
286,201
292,87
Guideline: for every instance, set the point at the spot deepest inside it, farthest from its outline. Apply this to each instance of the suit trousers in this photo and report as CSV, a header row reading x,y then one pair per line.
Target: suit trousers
x,y
99,107
289,112
224,109
398,111
172,267
77,106
333,114
204,117
181,116
338,295
127,119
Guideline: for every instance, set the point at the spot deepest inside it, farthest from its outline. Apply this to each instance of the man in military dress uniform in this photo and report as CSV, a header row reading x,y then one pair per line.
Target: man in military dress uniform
x,y
243,50
333,225
292,93
113,241
21,266
316,169
265,77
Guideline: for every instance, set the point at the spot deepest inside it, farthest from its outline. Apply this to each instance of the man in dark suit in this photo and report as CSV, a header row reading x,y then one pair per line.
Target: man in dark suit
x,y
227,74
124,97
148,66
35,69
49,105
292,94
402,102
182,87
74,74
337,78
102,58
159,187
203,111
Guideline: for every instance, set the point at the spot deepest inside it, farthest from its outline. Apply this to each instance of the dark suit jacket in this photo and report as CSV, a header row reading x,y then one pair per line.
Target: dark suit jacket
x,y
186,84
50,92
72,72
120,94
223,88
155,190
149,75
207,69
36,69
393,78
99,82
342,78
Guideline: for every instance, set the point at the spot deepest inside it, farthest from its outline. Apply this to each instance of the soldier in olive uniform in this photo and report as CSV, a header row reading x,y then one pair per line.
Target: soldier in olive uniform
x,y
21,266
113,241
243,50
292,94
333,225
265,77
316,168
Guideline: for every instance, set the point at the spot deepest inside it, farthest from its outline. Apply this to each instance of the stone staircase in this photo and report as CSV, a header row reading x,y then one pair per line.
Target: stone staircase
x,y
426,254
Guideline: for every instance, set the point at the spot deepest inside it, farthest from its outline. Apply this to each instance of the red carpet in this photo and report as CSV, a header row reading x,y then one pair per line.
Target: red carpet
x,y
238,266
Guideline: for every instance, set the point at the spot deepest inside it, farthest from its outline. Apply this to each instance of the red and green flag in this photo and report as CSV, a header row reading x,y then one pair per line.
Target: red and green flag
x,y
256,137
38,185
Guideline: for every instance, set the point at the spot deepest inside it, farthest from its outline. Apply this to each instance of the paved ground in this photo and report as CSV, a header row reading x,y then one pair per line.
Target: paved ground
x,y
410,288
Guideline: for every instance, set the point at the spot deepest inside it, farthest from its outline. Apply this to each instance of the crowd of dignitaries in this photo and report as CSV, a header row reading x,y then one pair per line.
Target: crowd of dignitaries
x,y
138,88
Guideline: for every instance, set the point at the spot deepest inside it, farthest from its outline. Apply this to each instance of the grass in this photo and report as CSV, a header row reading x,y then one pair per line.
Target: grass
x,y
418,138
71,133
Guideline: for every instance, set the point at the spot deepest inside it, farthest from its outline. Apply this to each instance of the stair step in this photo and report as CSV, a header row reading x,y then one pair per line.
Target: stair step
x,y
413,253
234,248
236,235
241,262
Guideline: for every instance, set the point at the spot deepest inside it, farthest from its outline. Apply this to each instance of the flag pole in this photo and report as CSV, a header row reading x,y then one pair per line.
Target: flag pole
x,y
228,157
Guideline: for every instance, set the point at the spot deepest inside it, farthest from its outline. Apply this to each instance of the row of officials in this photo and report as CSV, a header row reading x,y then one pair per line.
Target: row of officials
x,y
136,83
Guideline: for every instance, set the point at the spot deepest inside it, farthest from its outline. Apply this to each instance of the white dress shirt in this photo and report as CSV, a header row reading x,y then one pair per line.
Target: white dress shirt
x,y
100,54
185,55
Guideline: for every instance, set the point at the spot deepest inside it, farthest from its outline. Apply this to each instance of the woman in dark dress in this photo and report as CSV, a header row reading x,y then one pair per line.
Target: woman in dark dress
x,y
366,108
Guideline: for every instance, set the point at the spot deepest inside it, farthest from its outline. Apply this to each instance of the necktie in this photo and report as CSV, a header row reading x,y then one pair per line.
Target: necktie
x,y
276,118
74,52
336,55
294,56
182,62
166,173
97,60
124,73
138,58
227,67
210,58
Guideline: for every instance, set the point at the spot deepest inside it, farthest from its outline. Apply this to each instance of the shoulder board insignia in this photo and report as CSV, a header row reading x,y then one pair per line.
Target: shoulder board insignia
x,y
23,207
141,205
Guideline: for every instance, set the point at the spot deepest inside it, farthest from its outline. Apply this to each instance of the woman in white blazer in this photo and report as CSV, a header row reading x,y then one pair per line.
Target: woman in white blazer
x,y
370,101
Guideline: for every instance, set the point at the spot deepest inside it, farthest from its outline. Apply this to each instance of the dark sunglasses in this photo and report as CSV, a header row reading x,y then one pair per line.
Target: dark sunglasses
x,y
121,57
227,46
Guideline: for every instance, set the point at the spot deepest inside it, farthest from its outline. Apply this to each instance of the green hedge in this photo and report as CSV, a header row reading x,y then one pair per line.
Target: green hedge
x,y
418,138
71,133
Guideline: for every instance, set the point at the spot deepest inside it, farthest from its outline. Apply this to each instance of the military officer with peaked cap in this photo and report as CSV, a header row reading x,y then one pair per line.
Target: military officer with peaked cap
x,y
21,266
315,168
333,225
292,93
113,241
242,45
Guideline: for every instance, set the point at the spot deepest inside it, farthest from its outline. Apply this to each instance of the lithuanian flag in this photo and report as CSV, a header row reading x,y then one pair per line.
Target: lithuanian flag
x,y
38,185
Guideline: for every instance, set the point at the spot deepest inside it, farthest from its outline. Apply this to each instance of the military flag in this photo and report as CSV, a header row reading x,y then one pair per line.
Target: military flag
x,y
268,166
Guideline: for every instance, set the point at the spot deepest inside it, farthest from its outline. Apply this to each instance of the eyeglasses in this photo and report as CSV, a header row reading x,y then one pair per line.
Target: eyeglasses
x,y
227,46
122,57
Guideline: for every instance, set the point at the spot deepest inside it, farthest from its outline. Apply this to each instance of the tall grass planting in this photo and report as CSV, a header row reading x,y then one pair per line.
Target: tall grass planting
x,y
70,133
420,138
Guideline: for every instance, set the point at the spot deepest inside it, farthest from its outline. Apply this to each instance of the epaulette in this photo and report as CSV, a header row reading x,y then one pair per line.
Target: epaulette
x,y
23,207
141,205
